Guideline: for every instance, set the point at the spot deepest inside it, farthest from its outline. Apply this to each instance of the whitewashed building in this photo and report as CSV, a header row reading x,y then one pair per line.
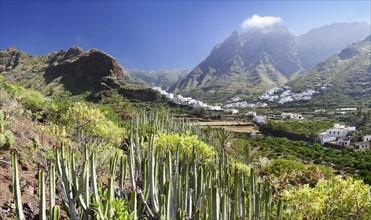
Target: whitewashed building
x,y
291,116
362,145
343,141
260,119
335,133
232,111
366,138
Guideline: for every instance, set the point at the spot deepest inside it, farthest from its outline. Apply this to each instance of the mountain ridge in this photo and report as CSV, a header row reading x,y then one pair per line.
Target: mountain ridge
x,y
257,60
347,74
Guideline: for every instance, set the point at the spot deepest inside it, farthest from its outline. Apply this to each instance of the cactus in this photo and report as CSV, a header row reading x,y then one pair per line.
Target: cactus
x,y
152,177
42,203
163,186
123,167
52,186
16,188
55,213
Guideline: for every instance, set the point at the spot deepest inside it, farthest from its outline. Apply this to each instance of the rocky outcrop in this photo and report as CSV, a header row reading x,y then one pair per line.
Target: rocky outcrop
x,y
74,70
84,68
347,53
91,65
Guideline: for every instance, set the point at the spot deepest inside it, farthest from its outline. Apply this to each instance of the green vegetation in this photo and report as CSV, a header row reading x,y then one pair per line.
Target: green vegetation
x,y
311,128
96,163
90,126
187,145
6,136
329,199
357,163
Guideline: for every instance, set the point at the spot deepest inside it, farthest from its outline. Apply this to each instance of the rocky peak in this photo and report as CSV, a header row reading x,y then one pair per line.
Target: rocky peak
x,y
73,52
10,58
11,49
90,66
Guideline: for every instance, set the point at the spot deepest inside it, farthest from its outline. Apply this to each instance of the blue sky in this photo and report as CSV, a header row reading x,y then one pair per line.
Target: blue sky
x,y
155,34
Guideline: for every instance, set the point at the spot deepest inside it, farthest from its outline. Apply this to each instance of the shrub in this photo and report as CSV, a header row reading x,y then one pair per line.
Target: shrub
x,y
187,144
329,199
90,126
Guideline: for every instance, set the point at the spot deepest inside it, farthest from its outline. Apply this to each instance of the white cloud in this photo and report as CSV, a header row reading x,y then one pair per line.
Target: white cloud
x,y
260,21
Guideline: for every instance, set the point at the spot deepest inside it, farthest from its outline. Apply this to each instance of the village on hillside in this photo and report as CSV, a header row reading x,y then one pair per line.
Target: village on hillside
x,y
282,94
336,137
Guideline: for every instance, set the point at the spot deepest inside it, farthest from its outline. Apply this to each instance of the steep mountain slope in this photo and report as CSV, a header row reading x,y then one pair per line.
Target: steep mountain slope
x,y
322,42
75,72
247,63
161,78
262,58
347,73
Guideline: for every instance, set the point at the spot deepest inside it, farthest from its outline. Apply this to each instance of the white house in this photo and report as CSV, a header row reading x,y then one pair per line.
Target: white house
x,y
346,109
170,96
291,116
366,138
338,132
232,111
362,145
260,119
343,141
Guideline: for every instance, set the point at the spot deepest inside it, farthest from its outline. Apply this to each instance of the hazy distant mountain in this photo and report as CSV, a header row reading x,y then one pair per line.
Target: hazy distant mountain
x,y
161,78
251,62
322,42
347,73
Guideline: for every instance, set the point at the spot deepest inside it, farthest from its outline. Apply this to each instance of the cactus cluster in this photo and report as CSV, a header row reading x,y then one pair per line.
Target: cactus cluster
x,y
54,209
164,184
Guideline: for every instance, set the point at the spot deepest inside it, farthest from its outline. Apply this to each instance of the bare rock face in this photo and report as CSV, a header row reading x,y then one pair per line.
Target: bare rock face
x,y
87,68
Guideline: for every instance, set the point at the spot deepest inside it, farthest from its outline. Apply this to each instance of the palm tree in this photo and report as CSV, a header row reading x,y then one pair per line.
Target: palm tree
x,y
224,137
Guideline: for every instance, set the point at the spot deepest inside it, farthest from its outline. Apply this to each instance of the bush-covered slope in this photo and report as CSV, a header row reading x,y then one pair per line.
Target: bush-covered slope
x,y
347,75
92,74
